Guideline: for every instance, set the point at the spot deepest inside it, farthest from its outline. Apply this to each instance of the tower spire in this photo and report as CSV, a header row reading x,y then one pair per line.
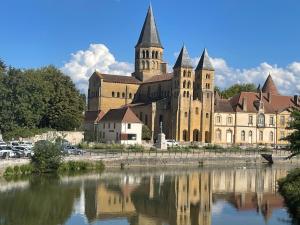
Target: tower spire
x,y
205,63
269,86
183,59
149,36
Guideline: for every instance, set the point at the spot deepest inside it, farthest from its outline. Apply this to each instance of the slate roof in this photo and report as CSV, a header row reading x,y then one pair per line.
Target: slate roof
x,y
149,36
124,115
205,63
223,105
117,78
183,59
270,87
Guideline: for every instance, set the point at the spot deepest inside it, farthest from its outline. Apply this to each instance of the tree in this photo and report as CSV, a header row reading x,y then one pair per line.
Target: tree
x,y
146,133
294,138
2,66
47,157
236,89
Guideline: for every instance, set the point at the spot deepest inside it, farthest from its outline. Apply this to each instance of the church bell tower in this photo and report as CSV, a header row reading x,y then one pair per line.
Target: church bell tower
x,y
149,51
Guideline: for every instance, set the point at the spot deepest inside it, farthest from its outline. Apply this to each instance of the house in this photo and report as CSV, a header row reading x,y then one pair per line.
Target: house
x,y
119,126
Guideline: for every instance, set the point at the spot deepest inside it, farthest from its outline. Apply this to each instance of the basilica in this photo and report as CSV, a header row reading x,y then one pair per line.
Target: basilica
x,y
184,101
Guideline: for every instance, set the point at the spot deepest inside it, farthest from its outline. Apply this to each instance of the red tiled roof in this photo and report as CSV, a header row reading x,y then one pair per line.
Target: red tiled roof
x,y
223,105
124,114
277,103
118,78
270,87
93,116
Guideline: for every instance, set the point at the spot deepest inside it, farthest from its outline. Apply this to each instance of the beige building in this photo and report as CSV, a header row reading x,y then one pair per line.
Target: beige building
x,y
184,100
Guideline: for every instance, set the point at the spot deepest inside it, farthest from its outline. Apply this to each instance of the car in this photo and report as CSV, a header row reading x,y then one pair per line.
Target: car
x,y
71,150
27,151
172,143
26,144
13,143
3,144
6,152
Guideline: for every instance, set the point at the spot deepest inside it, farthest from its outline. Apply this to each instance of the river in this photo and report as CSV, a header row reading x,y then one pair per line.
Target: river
x,y
167,196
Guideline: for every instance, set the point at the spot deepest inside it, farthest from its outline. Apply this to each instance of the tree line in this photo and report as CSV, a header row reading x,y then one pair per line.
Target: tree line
x,y
38,99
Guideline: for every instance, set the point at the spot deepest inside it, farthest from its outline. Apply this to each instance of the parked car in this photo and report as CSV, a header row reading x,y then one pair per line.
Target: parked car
x,y
13,143
172,143
27,151
26,144
6,152
71,150
2,144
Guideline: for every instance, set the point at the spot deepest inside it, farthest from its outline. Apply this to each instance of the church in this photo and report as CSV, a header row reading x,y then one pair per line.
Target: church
x,y
184,101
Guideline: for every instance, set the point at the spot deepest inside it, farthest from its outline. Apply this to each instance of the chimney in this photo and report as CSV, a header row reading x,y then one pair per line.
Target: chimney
x,y
297,100
269,97
244,104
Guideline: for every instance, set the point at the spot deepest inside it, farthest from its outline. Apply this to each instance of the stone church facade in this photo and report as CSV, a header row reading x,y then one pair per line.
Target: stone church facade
x,y
184,101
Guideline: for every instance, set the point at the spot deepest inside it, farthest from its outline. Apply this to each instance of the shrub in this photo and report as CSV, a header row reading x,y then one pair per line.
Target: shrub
x,y
16,170
9,171
146,133
136,147
79,166
47,157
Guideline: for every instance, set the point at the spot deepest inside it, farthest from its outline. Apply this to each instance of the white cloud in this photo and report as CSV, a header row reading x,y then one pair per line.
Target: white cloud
x,y
97,57
218,207
287,79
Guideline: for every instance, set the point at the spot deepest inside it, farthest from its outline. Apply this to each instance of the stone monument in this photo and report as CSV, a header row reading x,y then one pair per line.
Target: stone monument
x,y
161,140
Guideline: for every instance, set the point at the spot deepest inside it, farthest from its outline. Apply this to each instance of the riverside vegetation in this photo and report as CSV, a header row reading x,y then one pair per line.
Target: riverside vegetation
x,y
47,159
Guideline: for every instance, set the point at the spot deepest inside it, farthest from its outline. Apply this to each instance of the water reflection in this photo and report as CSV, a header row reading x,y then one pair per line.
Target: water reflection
x,y
190,197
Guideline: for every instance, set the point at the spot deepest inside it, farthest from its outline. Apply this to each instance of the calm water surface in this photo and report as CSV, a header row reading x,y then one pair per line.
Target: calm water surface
x,y
208,196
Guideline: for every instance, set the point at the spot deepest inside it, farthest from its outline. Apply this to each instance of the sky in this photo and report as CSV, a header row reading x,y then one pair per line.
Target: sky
x,y
246,39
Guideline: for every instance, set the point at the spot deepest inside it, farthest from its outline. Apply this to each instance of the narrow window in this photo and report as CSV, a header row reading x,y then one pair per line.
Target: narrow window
x,y
129,125
113,94
261,136
243,138
197,110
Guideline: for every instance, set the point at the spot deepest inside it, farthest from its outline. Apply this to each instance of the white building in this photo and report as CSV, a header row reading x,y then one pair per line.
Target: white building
x,y
120,126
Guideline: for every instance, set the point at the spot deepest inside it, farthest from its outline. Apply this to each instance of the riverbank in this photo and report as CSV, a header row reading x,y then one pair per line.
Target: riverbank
x,y
162,159
289,187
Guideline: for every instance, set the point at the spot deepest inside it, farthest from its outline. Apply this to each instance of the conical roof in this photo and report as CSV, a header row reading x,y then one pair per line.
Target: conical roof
x,y
149,36
183,59
270,87
205,63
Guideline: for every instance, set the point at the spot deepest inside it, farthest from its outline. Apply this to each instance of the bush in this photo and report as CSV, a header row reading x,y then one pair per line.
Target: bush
x,y
213,147
79,166
26,169
47,157
146,133
9,171
16,170
136,148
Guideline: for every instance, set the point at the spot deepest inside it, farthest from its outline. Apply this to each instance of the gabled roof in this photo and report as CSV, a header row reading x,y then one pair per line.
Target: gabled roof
x,y
276,103
270,87
117,78
149,36
183,59
223,105
124,115
205,63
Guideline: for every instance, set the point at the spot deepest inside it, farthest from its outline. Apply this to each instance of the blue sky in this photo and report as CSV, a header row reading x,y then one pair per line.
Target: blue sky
x,y
244,33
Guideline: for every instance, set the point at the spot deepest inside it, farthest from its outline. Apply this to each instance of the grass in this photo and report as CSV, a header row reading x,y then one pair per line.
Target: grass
x,y
289,187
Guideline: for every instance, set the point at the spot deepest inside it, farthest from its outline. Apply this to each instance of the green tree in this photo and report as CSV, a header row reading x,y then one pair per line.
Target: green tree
x,y
47,157
146,133
2,66
294,138
236,89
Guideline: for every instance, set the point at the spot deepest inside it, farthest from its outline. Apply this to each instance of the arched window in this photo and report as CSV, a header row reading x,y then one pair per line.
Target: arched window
x,y
130,95
113,94
261,136
271,138
118,94
184,94
153,65
185,135
261,120
184,73
147,65
144,54
229,120
197,110
243,135
156,54
147,54
143,64
123,95
185,114
218,119
187,94
218,135
207,76
184,84
153,54
189,84
189,74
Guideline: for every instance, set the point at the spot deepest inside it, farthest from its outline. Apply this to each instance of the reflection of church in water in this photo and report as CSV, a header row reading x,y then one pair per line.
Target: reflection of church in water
x,y
184,199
